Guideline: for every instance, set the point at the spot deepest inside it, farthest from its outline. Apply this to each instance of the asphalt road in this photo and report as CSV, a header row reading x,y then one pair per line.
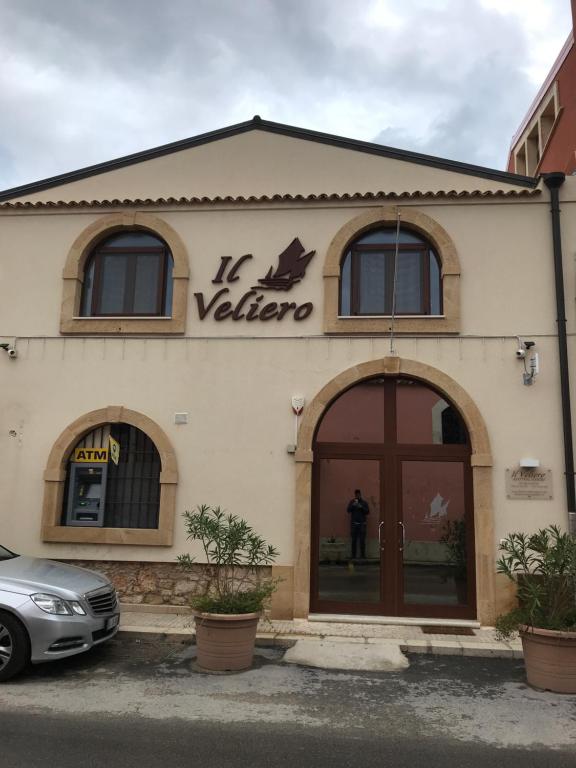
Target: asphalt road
x,y
142,703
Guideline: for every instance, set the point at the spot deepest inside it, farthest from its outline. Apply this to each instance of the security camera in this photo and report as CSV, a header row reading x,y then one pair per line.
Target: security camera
x,y
523,347
10,350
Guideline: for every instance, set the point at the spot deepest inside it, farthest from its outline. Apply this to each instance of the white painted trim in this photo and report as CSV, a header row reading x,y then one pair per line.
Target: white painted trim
x,y
398,317
122,317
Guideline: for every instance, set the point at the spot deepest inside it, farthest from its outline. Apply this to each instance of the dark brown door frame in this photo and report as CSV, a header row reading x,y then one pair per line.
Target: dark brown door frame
x,y
390,456
440,611
388,254
326,606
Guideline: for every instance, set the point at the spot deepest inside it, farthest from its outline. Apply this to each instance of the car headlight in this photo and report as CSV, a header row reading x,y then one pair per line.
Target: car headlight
x,y
58,606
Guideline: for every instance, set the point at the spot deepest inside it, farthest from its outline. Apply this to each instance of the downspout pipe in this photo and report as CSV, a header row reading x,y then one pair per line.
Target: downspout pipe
x,y
554,181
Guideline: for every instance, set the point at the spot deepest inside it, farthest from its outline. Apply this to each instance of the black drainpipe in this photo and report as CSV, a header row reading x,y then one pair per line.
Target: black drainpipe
x,y
554,181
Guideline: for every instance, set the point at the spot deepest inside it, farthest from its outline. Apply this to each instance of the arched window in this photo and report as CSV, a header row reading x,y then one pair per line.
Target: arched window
x,y
113,480
371,283
128,275
402,411
136,472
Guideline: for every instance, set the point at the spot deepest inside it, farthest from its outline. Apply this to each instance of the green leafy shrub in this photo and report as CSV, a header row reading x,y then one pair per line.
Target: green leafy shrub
x,y
233,580
454,537
543,567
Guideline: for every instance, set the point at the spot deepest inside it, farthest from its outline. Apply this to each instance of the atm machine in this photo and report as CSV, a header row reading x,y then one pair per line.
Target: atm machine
x,y
87,494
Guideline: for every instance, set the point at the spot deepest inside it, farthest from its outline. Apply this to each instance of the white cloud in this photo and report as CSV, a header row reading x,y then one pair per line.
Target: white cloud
x,y
546,25
84,82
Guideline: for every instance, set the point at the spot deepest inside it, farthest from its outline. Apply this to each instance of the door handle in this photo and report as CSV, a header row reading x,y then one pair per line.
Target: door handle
x,y
381,542
401,524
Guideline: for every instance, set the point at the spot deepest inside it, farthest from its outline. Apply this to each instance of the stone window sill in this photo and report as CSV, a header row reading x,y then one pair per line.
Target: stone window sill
x,y
389,317
138,325
381,324
95,318
127,536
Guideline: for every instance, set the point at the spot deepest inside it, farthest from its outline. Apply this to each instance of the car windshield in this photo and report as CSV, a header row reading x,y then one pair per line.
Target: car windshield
x,y
5,554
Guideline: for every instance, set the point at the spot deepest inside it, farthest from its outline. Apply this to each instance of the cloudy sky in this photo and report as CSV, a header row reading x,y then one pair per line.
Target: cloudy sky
x,y
83,81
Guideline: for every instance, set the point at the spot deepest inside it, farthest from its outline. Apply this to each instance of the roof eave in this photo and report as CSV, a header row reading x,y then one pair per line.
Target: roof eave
x,y
286,130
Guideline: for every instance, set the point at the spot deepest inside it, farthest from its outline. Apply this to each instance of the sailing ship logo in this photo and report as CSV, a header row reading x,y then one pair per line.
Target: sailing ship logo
x,y
292,264
438,509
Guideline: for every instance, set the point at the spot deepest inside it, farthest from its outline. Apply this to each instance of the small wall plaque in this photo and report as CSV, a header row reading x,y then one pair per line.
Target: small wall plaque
x,y
529,484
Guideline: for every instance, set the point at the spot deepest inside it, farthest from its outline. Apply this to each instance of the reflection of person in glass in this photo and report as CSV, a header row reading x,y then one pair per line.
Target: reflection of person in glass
x,y
358,511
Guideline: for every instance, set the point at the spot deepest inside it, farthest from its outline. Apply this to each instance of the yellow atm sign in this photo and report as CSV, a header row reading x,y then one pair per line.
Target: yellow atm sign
x,y
91,455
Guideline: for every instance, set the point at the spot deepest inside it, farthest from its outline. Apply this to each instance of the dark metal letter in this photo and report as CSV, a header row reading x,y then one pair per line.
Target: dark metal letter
x,y
303,311
202,308
224,261
233,274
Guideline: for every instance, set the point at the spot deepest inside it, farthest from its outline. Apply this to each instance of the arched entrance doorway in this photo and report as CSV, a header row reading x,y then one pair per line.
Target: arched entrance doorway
x,y
392,504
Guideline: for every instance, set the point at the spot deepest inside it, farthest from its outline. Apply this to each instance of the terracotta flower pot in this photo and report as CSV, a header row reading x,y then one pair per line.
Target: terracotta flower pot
x,y
225,642
550,659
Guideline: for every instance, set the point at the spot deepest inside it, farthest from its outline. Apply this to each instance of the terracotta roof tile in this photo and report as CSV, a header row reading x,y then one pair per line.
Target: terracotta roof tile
x,y
252,199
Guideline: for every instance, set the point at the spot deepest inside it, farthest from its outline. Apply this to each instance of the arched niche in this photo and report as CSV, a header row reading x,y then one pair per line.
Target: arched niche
x,y
480,460
55,477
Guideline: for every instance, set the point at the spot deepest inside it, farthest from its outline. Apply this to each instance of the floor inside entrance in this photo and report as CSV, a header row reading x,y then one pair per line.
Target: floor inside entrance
x,y
359,581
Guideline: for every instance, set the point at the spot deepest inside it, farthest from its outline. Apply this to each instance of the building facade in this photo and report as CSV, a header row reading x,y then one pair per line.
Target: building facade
x,y
545,141
270,319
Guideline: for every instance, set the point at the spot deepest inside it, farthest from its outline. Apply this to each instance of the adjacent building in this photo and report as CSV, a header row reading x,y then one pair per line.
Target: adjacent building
x,y
545,142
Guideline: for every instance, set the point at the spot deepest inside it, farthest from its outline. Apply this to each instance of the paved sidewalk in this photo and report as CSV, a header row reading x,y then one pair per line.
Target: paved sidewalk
x,y
411,638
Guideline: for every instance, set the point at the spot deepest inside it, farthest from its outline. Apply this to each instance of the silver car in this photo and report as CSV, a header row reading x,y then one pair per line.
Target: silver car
x,y
49,610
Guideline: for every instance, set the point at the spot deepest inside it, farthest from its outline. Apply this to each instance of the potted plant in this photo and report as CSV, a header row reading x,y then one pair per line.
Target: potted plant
x,y
543,567
332,550
233,587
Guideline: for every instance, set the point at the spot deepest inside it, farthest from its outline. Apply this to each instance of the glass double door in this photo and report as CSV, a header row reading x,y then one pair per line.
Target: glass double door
x,y
393,532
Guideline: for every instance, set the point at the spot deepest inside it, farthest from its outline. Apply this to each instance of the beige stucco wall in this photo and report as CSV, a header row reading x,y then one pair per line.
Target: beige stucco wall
x,y
236,379
233,451
495,242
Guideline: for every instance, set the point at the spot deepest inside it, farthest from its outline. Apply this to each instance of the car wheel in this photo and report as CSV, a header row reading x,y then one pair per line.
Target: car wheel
x,y
14,646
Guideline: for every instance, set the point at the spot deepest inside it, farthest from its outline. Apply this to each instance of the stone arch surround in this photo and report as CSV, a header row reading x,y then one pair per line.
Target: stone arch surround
x,y
445,248
55,476
481,463
73,278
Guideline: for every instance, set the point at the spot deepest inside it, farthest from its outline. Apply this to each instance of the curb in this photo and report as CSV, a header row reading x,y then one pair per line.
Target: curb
x,y
432,647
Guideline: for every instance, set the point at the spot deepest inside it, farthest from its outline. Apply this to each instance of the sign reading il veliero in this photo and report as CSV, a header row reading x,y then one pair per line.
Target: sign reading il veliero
x,y
252,304
531,484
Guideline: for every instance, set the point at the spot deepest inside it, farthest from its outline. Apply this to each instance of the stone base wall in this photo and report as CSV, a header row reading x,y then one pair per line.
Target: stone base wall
x,y
150,583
